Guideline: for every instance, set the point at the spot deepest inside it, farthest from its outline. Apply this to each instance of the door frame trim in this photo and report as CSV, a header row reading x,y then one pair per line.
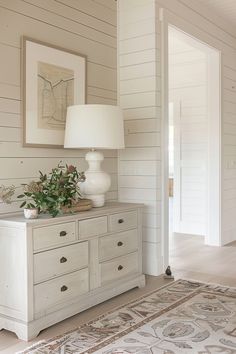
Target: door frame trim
x,y
214,237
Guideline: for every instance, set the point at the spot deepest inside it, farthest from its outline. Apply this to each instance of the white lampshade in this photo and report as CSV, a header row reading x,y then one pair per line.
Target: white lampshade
x,y
94,126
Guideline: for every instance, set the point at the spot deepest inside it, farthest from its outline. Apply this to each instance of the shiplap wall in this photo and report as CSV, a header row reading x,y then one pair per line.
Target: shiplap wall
x,y
188,92
139,96
87,27
139,91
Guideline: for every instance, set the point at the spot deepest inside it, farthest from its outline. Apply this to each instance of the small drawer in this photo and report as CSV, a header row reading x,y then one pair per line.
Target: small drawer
x,y
55,235
112,246
119,267
60,290
59,261
123,221
92,227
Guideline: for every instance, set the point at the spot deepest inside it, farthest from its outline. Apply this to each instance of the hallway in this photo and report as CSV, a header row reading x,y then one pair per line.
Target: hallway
x,y
190,258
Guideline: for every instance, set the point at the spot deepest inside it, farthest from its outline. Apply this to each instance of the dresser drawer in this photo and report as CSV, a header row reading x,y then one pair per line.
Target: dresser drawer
x,y
49,264
123,221
119,267
92,227
55,235
118,244
60,290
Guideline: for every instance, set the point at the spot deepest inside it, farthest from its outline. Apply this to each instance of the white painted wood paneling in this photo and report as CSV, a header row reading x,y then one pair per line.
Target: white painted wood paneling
x,y
86,27
140,18
139,93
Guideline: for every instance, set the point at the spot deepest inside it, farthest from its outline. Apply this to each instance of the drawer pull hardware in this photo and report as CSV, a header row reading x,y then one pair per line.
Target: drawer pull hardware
x,y
63,233
120,221
64,288
120,267
120,244
63,260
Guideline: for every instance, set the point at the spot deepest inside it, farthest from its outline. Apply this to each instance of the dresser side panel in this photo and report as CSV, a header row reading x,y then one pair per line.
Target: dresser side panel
x,y
13,272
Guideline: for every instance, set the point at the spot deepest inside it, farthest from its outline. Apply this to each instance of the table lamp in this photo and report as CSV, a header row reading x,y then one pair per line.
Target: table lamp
x,y
94,126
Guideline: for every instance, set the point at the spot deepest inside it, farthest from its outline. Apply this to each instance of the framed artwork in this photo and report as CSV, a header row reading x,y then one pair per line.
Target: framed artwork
x,y
53,79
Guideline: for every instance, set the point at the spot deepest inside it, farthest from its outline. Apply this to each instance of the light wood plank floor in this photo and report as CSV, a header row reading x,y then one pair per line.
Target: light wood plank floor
x,y
189,258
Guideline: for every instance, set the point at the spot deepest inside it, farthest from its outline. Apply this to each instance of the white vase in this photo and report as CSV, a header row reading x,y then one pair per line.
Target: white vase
x,y
31,213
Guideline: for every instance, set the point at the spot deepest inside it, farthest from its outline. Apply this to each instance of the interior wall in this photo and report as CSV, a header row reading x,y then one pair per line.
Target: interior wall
x,y
87,27
140,171
189,95
139,96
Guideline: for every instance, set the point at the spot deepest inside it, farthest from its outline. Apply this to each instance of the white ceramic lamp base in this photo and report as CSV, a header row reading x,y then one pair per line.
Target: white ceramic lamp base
x,y
97,182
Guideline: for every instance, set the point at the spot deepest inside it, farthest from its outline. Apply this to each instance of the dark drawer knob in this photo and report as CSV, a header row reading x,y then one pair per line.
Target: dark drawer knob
x,y
120,244
120,221
63,260
120,267
64,288
63,233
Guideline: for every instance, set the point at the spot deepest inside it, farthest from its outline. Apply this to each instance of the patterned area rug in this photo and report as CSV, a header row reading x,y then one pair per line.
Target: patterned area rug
x,y
182,317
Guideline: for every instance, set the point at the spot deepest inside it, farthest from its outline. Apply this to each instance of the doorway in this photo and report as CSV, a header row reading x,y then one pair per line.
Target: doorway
x,y
192,133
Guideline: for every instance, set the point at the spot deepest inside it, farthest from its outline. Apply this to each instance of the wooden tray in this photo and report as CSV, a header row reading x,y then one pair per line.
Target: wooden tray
x,y
81,205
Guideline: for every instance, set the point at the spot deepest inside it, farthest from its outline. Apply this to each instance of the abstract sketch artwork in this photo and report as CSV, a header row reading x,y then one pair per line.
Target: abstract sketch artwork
x,y
55,94
53,78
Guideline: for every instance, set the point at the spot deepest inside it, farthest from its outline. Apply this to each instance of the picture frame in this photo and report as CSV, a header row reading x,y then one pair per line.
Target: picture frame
x,y
53,78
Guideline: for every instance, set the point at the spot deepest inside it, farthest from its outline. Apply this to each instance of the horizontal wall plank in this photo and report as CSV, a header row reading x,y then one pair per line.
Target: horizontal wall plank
x,y
139,193
93,9
138,71
10,91
139,168
138,43
101,76
142,126
139,57
9,106
137,14
92,99
100,92
144,182
140,28
142,112
10,134
110,4
10,120
144,84
143,153
142,140
142,99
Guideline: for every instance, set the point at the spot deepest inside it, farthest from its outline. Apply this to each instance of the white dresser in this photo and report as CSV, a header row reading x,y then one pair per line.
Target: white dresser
x,y
53,268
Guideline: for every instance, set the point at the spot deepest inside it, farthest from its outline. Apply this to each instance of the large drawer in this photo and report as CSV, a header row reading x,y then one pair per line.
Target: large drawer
x,y
123,221
60,290
49,264
54,235
92,227
119,267
119,244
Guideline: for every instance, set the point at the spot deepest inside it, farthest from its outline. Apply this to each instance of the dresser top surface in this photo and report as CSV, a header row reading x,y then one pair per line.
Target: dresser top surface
x,y
108,208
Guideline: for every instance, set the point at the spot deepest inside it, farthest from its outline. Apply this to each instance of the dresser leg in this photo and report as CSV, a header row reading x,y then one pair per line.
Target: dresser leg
x,y
22,331
26,334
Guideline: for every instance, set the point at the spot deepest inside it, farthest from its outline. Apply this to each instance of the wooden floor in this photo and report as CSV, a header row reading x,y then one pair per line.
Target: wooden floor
x,y
189,258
